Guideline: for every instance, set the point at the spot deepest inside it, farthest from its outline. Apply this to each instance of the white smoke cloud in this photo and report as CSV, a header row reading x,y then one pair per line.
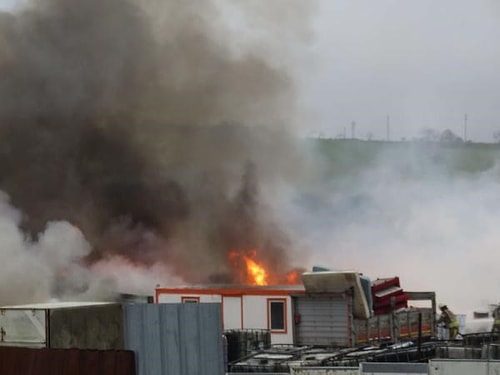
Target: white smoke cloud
x,y
52,267
134,278
43,269
409,213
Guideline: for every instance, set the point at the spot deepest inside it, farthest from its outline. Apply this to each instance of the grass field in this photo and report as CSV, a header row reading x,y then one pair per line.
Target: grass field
x,y
352,156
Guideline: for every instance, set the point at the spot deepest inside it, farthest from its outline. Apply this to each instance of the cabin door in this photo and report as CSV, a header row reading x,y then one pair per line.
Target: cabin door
x,y
232,312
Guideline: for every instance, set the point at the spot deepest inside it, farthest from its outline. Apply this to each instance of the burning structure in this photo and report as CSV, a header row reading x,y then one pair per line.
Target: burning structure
x,y
329,309
145,143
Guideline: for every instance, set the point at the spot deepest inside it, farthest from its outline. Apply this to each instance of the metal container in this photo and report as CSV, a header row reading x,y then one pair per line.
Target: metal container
x,y
243,342
81,325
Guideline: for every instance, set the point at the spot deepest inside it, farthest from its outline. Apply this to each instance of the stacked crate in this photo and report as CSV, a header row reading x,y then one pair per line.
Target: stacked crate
x,y
384,291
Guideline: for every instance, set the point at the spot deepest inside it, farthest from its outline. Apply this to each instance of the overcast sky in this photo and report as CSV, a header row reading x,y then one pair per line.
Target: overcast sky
x,y
423,63
415,64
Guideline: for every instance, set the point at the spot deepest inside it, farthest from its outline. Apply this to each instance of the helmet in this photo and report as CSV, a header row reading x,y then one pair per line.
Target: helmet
x,y
442,306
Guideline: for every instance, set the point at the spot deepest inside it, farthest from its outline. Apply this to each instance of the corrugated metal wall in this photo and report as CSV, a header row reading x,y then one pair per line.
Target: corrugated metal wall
x,y
175,339
324,320
29,361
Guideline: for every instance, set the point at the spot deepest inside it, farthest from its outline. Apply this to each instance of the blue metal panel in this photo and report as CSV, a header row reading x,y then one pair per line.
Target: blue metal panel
x,y
180,339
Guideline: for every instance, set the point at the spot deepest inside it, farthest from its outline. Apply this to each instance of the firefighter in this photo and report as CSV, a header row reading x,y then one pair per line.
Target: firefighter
x,y
496,320
450,321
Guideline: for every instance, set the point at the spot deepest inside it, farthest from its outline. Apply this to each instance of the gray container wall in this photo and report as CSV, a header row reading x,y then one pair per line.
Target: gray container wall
x,y
175,339
89,327
463,367
81,327
324,320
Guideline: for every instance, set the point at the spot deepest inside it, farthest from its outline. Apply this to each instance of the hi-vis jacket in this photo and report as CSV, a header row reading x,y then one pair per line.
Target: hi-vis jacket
x,y
448,318
496,317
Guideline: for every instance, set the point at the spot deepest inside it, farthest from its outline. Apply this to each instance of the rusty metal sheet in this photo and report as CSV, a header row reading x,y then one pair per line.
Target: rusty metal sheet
x,y
29,361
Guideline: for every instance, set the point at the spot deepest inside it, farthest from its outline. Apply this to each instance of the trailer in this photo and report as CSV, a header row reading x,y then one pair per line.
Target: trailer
x,y
335,311
327,319
405,324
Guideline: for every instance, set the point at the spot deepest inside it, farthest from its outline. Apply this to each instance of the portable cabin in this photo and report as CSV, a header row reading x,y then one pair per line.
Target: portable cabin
x,y
244,307
318,312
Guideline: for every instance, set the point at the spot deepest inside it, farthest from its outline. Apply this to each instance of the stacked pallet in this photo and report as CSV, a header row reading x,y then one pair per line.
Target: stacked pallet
x,y
388,295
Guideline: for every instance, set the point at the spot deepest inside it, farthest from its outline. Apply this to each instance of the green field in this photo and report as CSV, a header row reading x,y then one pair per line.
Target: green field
x,y
352,156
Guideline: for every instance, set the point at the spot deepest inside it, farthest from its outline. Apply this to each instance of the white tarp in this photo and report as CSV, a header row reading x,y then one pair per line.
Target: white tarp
x,y
338,282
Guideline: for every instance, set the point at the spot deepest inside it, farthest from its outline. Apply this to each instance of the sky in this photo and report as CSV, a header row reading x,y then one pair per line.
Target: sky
x,y
423,64
10,4
413,65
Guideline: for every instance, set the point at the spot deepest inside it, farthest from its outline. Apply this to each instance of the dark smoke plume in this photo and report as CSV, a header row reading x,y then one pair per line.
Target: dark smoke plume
x,y
148,126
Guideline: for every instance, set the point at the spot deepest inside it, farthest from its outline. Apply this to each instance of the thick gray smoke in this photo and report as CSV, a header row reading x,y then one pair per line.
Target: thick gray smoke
x,y
142,141
156,128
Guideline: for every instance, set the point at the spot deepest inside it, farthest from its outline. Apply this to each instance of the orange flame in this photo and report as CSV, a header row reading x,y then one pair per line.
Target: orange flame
x,y
256,271
251,270
293,277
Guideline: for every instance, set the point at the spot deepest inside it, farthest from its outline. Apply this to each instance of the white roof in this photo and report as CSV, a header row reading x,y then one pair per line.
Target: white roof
x,y
54,305
339,281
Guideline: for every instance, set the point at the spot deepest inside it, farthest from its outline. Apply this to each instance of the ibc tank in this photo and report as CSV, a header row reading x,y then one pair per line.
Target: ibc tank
x,y
243,342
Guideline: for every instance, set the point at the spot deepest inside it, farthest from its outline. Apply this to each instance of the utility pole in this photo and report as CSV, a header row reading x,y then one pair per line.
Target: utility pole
x,y
465,127
388,128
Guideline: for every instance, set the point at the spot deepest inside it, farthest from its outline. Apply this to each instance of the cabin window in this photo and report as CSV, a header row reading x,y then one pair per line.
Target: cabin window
x,y
276,312
190,299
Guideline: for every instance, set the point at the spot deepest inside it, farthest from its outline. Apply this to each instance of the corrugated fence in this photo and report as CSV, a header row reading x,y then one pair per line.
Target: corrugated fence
x,y
175,339
28,361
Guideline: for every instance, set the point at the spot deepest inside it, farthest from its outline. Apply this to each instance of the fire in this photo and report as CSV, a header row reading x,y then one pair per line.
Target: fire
x,y
250,269
255,272
293,277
